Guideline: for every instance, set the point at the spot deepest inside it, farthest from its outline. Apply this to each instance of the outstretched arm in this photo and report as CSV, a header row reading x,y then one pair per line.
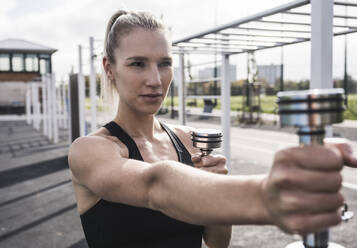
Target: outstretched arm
x,y
179,191
286,197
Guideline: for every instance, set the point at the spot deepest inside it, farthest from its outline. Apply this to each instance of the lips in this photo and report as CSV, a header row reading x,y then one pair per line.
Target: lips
x,y
152,97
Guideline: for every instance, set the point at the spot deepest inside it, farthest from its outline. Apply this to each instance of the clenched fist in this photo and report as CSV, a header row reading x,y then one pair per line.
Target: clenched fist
x,y
302,190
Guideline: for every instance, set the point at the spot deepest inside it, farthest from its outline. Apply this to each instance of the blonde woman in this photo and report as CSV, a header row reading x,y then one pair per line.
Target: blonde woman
x,y
140,183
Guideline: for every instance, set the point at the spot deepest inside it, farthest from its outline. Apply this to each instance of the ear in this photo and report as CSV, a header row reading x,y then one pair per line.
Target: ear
x,y
108,68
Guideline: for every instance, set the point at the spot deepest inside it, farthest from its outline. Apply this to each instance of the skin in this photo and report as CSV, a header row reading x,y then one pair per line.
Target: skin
x,y
204,195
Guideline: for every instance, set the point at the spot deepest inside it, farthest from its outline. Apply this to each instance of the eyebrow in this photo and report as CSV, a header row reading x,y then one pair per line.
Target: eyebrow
x,y
145,58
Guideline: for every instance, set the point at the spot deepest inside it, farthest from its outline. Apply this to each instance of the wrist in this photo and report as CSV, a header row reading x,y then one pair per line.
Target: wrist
x,y
263,212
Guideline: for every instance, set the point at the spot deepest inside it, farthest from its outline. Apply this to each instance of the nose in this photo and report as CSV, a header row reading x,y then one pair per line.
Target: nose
x,y
153,77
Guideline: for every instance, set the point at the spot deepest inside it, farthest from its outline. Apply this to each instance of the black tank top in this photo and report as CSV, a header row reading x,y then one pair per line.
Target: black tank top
x,y
116,225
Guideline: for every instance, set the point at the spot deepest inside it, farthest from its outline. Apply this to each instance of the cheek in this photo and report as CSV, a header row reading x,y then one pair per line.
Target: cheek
x,y
167,76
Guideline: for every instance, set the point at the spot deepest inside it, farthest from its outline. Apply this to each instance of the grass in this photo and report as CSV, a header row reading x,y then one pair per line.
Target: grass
x,y
268,104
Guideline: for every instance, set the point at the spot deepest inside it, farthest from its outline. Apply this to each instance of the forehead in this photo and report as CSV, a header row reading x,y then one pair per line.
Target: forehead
x,y
143,42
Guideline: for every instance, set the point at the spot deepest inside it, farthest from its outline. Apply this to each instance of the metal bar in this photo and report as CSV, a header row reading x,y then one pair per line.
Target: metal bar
x,y
81,93
226,108
302,40
209,50
93,86
223,48
346,4
229,45
181,90
217,48
44,106
28,104
263,35
285,7
55,108
245,40
203,52
196,46
321,44
274,30
301,23
49,106
287,23
346,32
308,14
36,106
204,80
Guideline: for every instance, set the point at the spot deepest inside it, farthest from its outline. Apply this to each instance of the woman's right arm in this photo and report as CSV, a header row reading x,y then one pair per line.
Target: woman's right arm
x,y
178,190
287,197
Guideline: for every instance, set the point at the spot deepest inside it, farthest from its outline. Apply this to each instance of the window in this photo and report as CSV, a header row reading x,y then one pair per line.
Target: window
x,y
4,62
17,62
44,66
31,62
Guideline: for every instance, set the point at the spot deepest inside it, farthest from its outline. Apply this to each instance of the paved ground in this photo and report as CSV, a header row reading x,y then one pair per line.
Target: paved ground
x,y
37,206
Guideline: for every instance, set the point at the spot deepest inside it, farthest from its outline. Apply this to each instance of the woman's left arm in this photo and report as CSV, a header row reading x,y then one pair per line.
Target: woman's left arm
x,y
214,236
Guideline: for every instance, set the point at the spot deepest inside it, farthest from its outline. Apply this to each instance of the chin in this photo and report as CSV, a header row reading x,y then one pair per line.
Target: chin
x,y
149,110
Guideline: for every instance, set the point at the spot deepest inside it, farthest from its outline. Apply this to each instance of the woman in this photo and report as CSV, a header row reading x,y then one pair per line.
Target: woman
x,y
134,179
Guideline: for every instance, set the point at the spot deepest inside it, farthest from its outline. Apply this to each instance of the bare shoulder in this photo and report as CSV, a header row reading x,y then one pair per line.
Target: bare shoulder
x,y
98,145
184,133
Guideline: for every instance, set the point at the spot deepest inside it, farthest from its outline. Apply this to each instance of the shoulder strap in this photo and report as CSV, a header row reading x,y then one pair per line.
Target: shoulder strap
x,y
118,132
183,154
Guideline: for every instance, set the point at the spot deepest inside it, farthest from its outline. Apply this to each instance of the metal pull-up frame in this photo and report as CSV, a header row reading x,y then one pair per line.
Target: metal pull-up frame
x,y
266,30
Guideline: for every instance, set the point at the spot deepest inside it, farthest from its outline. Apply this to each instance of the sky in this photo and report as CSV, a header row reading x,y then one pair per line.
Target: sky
x,y
64,24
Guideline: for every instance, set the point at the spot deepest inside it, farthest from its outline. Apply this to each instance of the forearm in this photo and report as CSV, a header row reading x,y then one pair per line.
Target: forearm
x,y
204,198
217,236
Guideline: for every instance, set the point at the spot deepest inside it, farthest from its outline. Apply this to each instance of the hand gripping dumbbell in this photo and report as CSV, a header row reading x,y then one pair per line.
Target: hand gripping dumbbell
x,y
206,140
310,111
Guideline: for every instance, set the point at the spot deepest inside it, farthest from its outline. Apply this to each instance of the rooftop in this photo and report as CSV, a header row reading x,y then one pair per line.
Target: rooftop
x,y
19,45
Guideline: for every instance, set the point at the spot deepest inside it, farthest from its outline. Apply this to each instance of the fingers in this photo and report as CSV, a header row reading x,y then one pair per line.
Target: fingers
x,y
294,178
211,163
207,161
345,149
196,158
310,203
309,223
311,158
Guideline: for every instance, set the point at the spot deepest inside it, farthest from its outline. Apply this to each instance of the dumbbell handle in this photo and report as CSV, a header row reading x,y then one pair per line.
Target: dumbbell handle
x,y
313,136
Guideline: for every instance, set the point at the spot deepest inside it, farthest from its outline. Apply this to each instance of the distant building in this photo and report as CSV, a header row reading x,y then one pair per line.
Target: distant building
x,y
20,62
269,73
208,72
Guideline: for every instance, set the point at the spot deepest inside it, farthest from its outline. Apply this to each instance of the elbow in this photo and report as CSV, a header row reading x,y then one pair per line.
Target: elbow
x,y
156,193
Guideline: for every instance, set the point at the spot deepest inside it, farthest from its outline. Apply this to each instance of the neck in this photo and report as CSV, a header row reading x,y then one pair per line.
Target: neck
x,y
136,124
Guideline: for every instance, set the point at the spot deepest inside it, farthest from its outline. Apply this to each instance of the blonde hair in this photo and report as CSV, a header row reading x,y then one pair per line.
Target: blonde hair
x,y
120,24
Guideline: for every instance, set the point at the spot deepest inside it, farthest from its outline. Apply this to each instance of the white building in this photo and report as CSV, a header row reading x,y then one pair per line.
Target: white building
x,y
269,73
208,72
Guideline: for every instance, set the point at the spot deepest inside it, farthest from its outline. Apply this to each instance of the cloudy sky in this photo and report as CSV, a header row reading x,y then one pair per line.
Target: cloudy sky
x,y
63,24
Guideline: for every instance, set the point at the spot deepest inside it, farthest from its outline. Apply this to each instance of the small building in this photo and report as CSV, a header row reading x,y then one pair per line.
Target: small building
x,y
21,61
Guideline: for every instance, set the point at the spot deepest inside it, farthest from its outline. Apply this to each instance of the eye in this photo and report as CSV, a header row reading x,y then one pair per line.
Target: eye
x,y
137,64
166,64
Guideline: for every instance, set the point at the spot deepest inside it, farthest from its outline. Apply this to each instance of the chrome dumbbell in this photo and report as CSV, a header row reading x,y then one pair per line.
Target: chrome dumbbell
x,y
206,140
310,111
